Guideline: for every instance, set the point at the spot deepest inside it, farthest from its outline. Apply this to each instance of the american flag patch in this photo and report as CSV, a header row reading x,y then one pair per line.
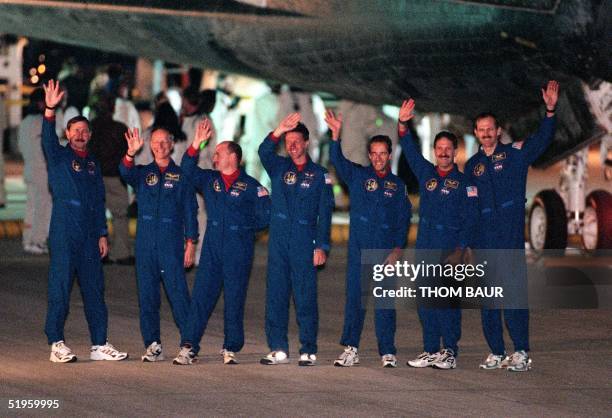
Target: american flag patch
x,y
262,191
472,191
517,144
328,179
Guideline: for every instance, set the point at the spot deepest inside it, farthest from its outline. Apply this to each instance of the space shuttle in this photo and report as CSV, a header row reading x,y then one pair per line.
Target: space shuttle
x,y
460,57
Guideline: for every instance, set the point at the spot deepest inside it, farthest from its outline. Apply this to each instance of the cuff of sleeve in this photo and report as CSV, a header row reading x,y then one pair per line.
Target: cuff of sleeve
x,y
192,152
324,247
274,138
128,163
402,130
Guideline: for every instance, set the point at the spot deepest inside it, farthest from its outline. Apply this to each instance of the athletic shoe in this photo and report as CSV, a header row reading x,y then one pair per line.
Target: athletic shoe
x,y
424,359
275,357
445,360
154,353
229,357
519,362
389,360
36,249
348,358
307,360
61,353
106,352
185,357
494,361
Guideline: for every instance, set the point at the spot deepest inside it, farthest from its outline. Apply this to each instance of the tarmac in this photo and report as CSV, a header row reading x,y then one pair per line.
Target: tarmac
x,y
571,351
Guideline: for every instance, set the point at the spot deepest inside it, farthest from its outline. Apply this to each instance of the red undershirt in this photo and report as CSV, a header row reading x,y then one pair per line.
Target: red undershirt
x,y
443,173
229,179
383,174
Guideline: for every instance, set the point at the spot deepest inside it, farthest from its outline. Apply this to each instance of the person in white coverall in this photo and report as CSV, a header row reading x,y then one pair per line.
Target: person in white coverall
x,y
39,203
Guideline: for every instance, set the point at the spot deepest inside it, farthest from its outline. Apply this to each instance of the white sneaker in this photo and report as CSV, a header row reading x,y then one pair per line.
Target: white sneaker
x,y
348,358
229,357
424,359
61,353
519,362
36,249
275,357
185,357
307,359
446,360
154,353
389,360
494,361
106,352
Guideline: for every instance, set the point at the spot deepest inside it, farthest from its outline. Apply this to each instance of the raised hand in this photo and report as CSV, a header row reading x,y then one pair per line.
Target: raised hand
x,y
406,111
135,142
53,94
333,123
287,124
551,95
203,133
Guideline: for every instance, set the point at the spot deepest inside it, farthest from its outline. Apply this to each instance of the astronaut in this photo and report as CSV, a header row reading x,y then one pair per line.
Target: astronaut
x,y
300,224
237,206
499,171
447,212
77,235
380,217
165,237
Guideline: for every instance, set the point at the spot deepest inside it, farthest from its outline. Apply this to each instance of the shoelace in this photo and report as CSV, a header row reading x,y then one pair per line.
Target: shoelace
x,y
517,357
63,350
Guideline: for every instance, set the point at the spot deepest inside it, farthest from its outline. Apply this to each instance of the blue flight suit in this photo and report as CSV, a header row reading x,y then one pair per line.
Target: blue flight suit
x,y
77,222
302,205
447,214
501,179
167,216
379,220
234,216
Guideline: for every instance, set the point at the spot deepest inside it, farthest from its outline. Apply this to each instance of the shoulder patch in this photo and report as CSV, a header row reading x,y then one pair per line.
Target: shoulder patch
x,y
262,191
518,144
472,191
327,177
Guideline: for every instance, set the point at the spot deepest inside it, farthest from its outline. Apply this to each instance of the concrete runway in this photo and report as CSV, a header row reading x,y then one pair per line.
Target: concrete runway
x,y
570,349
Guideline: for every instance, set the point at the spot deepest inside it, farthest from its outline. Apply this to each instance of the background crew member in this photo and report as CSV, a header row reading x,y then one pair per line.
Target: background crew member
x,y
77,235
499,171
167,229
237,207
300,224
447,208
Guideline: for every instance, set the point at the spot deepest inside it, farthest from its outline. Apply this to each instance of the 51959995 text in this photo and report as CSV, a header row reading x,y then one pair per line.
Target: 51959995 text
x,y
33,404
